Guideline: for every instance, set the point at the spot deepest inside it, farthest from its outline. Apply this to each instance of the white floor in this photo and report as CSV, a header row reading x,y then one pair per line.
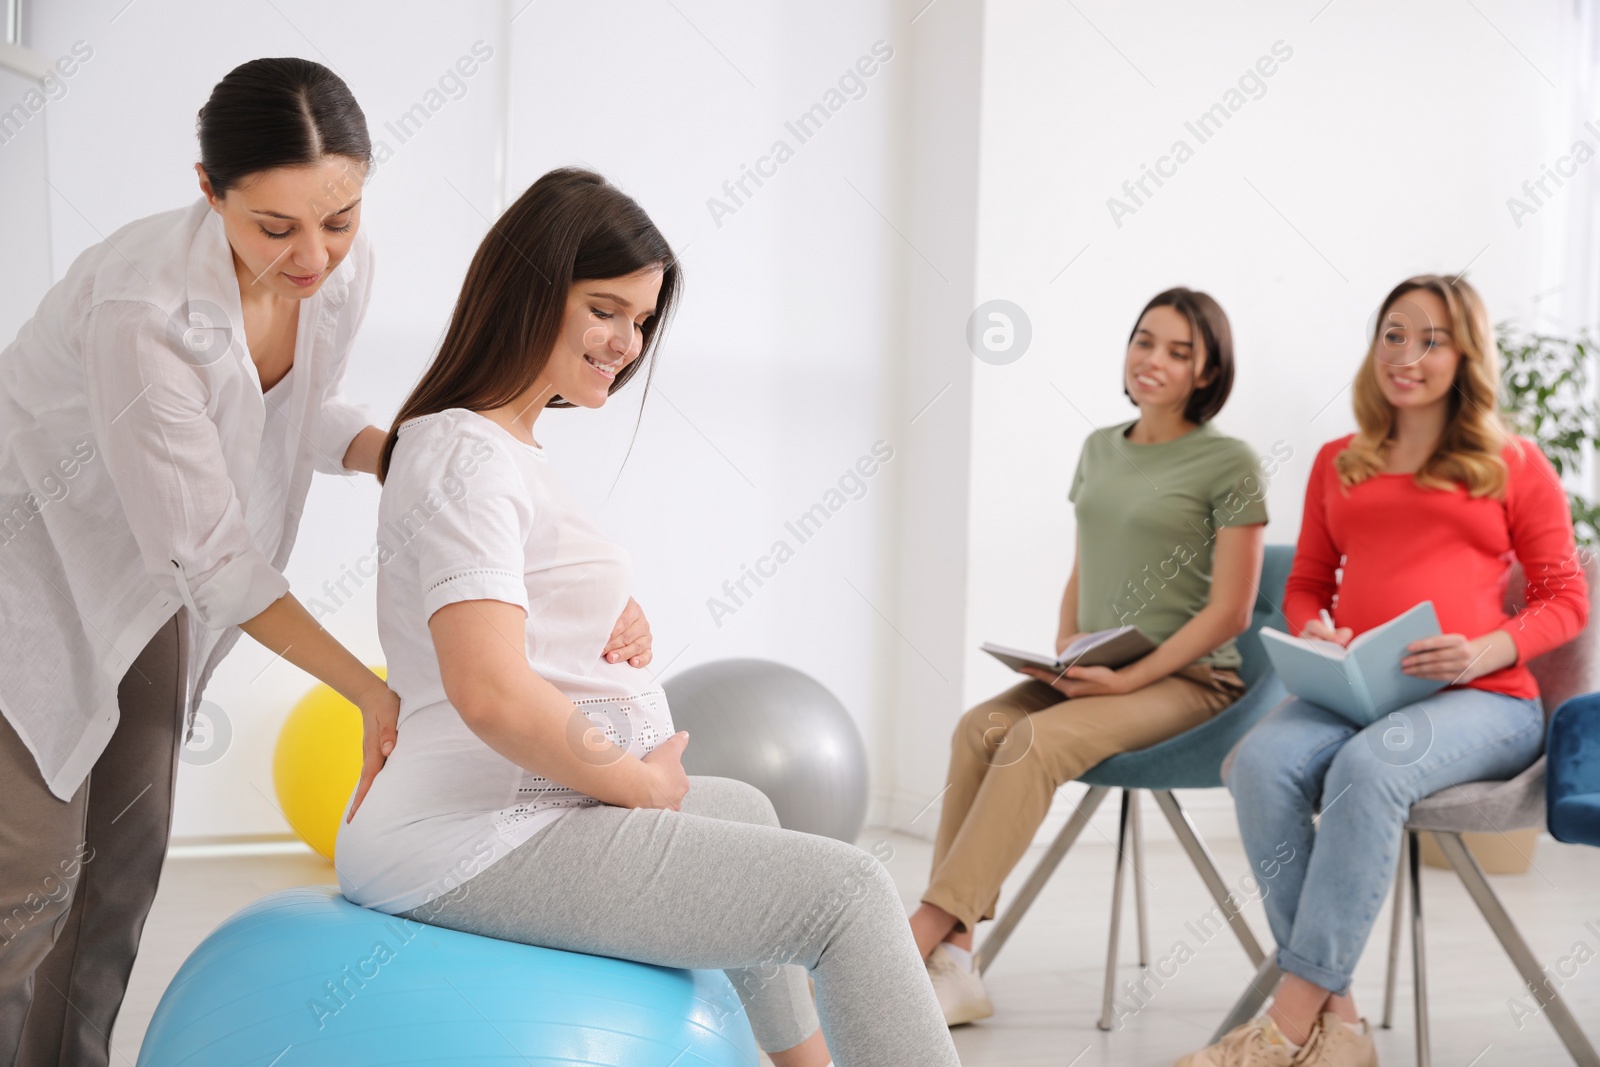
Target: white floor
x,y
1046,984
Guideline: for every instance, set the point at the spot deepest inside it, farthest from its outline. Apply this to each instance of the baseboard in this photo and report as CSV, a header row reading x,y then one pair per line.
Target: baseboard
x,y
227,845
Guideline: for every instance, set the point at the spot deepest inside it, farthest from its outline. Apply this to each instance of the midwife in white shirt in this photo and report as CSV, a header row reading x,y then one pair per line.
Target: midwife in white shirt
x,y
160,418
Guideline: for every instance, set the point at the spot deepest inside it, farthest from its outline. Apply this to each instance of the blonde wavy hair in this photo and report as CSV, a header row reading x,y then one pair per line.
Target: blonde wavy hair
x,y
1469,450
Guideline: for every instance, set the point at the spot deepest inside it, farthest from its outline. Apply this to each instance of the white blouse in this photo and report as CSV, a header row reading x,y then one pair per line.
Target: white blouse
x,y
142,470
470,512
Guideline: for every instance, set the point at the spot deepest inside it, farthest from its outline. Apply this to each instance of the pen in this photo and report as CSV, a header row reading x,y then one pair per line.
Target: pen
x,y
1327,620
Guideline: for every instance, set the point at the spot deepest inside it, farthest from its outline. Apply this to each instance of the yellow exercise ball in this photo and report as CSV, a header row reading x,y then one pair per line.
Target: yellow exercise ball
x,y
317,764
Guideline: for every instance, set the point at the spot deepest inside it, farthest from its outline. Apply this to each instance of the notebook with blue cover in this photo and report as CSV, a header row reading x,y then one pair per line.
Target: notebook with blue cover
x,y
1362,681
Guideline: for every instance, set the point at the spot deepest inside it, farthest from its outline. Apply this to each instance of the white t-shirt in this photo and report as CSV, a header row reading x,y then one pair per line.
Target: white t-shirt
x,y
469,512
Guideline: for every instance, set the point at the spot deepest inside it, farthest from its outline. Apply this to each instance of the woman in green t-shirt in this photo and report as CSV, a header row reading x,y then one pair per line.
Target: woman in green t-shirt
x,y
1171,518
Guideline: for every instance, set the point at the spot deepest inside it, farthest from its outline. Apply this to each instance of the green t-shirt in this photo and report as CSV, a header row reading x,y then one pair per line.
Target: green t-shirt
x,y
1148,517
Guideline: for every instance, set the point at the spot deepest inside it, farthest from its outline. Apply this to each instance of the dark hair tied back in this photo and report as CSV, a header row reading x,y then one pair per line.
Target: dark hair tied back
x,y
278,113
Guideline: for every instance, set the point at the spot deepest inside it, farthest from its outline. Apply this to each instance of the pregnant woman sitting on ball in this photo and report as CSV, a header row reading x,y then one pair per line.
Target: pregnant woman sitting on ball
x,y
1171,522
536,792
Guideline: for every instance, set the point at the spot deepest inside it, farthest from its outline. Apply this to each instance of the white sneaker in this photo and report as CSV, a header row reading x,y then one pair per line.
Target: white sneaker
x,y
961,995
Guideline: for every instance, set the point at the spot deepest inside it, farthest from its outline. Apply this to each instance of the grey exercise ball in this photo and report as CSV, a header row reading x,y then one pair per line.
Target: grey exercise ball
x,y
781,731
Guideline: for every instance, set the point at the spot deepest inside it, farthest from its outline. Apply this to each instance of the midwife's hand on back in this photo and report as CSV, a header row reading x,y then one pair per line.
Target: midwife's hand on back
x,y
665,783
380,714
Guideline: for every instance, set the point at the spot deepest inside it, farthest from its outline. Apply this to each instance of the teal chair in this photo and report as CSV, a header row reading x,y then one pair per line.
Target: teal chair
x,y
1191,760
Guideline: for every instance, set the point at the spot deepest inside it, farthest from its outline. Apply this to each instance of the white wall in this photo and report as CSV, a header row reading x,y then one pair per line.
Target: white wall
x,y
931,548
1385,145
775,379
24,196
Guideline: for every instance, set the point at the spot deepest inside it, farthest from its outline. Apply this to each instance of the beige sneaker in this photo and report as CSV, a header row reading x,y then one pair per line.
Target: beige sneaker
x,y
1333,1044
961,995
1257,1043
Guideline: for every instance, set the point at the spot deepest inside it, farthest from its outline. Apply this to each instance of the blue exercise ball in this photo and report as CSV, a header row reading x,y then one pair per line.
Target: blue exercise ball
x,y
781,731
304,977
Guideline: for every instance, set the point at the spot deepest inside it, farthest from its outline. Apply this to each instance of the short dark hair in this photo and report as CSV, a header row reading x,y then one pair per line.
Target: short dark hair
x,y
1210,322
278,113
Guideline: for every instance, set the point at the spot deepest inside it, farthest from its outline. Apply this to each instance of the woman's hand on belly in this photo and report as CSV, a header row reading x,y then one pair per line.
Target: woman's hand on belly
x,y
520,715
630,639
666,784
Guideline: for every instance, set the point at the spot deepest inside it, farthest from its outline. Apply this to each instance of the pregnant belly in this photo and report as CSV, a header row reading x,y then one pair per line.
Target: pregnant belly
x,y
441,772
636,724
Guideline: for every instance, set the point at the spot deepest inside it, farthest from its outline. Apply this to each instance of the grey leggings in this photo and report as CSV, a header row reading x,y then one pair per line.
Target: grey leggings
x,y
719,885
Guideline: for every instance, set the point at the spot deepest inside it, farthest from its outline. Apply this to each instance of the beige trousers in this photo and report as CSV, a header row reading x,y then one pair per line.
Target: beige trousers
x,y
1011,753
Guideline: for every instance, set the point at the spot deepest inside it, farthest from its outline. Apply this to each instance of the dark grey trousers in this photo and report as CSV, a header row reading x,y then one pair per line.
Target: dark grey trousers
x,y
77,877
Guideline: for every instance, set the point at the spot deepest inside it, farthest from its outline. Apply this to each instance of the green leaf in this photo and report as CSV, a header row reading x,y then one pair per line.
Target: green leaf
x,y
1546,397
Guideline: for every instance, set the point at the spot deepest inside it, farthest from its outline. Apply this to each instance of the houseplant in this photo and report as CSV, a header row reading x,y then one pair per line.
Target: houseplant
x,y
1547,395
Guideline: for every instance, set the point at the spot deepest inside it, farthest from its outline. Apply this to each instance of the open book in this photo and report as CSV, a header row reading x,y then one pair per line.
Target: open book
x,y
1362,681
1103,648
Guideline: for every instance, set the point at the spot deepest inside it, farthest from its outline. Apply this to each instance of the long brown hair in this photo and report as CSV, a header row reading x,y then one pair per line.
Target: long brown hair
x,y
571,225
1468,452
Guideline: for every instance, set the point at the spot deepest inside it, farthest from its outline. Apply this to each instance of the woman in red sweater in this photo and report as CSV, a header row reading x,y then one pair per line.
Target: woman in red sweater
x,y
1430,500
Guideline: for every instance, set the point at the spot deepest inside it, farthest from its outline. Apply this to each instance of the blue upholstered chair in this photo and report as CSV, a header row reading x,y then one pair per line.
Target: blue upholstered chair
x,y
1572,771
1191,760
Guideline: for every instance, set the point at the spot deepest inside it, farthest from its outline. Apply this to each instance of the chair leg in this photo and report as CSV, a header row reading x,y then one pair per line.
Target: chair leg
x,y
1208,873
1041,874
1419,957
1136,833
1106,1017
1396,924
1255,994
1555,1008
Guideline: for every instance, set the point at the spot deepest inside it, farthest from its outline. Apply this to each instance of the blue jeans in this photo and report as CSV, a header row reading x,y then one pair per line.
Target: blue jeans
x,y
1327,875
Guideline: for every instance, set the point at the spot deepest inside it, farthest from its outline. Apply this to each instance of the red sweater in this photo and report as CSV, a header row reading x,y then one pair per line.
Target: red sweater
x,y
1399,544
